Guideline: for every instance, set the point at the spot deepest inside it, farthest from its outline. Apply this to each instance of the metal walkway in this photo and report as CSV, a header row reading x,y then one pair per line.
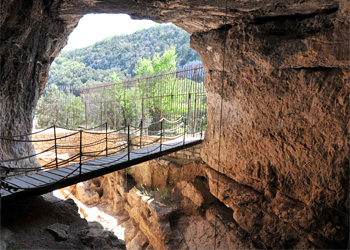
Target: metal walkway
x,y
49,180
92,154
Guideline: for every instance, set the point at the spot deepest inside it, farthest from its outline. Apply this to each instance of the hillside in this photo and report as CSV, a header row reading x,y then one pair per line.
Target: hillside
x,y
118,55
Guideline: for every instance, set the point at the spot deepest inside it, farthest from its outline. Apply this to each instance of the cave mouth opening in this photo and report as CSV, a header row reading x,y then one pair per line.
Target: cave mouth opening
x,y
130,182
81,88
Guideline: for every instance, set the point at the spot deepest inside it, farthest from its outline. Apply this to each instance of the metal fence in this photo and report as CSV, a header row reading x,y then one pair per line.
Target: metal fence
x,y
140,100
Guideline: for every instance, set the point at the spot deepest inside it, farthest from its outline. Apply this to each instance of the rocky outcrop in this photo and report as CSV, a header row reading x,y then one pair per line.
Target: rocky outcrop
x,y
31,38
149,207
49,223
282,166
284,119
59,231
179,215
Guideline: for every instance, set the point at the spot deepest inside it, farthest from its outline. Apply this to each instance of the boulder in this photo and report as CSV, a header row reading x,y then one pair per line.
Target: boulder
x,y
59,231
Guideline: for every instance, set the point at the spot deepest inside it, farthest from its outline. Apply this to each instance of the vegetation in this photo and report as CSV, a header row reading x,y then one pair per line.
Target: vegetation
x,y
119,56
151,192
65,72
60,107
114,60
120,104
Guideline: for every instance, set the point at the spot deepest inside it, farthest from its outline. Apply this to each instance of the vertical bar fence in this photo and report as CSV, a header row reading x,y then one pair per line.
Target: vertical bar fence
x,y
150,98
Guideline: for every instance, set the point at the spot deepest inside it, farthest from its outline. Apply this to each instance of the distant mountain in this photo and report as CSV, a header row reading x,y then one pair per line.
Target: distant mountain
x,y
119,54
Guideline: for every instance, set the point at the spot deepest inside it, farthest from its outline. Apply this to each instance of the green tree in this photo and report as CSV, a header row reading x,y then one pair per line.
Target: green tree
x,y
158,64
96,63
59,106
154,88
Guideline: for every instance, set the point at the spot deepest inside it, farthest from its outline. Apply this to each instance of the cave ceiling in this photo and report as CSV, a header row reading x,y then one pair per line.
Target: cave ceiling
x,y
192,15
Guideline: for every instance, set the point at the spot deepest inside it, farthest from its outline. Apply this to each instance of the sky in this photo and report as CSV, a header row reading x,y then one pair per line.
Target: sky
x,y
96,27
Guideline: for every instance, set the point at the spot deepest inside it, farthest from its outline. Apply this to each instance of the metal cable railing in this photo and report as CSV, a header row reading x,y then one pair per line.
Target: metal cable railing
x,y
104,144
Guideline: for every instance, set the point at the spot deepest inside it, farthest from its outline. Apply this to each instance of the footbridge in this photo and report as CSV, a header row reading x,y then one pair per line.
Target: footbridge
x,y
89,153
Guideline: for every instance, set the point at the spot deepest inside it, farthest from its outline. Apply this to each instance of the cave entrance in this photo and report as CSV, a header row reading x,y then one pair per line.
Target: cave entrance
x,y
130,182
142,72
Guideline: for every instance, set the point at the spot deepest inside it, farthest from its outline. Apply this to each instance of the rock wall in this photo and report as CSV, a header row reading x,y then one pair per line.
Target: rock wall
x,y
31,38
166,204
283,175
144,197
50,223
285,114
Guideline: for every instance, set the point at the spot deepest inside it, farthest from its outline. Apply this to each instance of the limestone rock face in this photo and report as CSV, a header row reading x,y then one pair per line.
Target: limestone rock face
x,y
31,38
283,89
190,191
284,121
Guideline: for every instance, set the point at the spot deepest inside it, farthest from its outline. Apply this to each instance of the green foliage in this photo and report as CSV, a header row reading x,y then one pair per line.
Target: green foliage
x,y
162,90
73,73
121,104
58,107
144,190
119,55
153,193
166,196
166,62
13,247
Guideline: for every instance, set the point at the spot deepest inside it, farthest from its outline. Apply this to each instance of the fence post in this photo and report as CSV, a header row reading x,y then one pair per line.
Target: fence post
x,y
86,117
184,122
195,115
163,131
106,139
188,108
73,117
80,150
161,134
142,108
128,142
54,132
141,128
101,116
202,127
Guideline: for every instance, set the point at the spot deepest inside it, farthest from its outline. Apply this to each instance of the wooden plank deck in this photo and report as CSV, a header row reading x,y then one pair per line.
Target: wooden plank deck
x,y
49,180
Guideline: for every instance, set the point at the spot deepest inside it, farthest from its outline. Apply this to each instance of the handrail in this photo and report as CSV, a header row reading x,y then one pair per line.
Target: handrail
x,y
125,141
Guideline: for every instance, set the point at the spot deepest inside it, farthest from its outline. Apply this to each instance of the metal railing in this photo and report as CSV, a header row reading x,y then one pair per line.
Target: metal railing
x,y
97,143
169,94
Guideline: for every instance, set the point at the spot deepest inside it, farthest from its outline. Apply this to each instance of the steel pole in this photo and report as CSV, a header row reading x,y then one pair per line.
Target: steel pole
x,y
54,132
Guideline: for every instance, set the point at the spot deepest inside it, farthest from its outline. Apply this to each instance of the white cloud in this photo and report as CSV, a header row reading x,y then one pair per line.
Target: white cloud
x,y
96,27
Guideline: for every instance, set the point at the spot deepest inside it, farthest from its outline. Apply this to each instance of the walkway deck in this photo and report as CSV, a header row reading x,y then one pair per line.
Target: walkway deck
x,y
47,181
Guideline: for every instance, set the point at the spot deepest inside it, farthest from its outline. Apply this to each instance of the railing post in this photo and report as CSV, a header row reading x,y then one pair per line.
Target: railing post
x,y
142,108
86,117
101,116
73,116
184,122
128,142
202,127
141,128
80,150
106,139
163,131
54,132
188,108
195,115
161,134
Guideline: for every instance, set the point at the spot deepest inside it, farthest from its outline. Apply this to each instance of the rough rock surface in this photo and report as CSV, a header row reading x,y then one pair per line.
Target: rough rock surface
x,y
147,219
49,223
285,109
7,238
285,116
59,231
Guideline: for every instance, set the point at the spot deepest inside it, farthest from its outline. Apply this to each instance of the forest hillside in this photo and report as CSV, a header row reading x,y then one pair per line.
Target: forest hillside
x,y
117,56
